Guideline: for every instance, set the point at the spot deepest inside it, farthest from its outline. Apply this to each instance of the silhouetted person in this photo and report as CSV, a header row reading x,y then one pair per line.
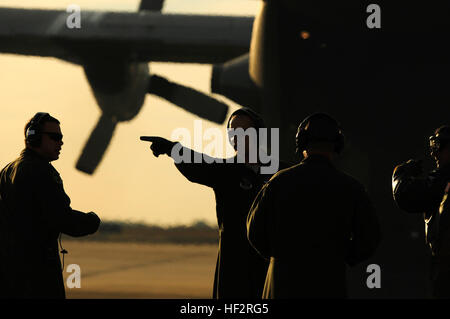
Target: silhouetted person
x,y
311,219
34,211
444,231
240,271
423,194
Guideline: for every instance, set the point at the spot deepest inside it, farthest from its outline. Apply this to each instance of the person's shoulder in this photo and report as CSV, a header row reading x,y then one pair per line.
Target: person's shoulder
x,y
351,181
33,167
284,165
24,168
35,164
285,173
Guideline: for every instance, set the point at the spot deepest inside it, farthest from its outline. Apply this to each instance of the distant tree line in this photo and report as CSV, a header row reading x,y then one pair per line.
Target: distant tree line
x,y
198,232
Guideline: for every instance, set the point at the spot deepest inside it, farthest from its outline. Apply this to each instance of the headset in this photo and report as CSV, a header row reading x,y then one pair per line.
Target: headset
x,y
33,135
439,139
257,119
319,127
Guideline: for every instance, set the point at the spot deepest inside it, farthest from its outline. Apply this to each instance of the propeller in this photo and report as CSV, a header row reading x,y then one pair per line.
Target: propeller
x,y
152,5
97,144
191,100
120,86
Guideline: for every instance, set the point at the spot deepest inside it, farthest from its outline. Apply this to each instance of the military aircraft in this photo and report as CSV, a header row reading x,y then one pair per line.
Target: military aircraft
x,y
387,87
114,49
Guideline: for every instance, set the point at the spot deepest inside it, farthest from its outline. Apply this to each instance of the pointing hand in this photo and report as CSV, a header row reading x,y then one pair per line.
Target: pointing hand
x,y
159,145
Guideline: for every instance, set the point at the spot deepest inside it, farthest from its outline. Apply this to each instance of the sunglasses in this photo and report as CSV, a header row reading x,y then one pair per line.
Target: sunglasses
x,y
57,137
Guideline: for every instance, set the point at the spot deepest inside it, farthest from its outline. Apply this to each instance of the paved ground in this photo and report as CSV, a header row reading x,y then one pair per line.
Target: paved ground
x,y
128,270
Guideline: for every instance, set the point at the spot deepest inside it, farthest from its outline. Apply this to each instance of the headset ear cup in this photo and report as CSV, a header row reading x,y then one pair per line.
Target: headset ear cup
x,y
35,140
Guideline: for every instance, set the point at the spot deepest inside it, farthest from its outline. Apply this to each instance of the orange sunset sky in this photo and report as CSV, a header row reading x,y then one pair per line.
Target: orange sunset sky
x,y
130,184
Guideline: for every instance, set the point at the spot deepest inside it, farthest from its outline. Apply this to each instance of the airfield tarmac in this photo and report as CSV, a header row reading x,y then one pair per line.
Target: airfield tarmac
x,y
133,270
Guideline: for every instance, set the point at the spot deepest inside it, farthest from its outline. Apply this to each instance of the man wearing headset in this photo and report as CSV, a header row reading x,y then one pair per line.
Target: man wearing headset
x,y
415,192
240,271
34,211
311,219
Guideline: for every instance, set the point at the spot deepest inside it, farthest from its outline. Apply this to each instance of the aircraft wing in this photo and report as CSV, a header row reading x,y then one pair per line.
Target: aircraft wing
x,y
139,36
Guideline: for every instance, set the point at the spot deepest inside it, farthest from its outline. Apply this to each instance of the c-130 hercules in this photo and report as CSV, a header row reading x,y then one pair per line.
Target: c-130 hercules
x,y
114,49
388,88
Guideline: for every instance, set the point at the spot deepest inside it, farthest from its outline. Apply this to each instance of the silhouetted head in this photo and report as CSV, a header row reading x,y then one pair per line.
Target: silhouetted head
x,y
440,145
319,133
43,135
244,118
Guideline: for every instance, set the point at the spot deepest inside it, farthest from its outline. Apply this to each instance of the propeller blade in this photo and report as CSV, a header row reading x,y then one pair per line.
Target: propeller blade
x,y
189,99
96,145
151,5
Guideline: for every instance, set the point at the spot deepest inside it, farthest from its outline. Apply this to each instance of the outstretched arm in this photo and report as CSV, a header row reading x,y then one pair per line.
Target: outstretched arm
x,y
196,167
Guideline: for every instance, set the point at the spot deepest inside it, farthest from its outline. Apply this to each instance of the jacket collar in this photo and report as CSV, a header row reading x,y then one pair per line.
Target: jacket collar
x,y
317,158
29,153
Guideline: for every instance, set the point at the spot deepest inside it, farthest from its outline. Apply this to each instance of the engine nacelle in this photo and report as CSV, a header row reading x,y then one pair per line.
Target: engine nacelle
x,y
233,81
119,87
